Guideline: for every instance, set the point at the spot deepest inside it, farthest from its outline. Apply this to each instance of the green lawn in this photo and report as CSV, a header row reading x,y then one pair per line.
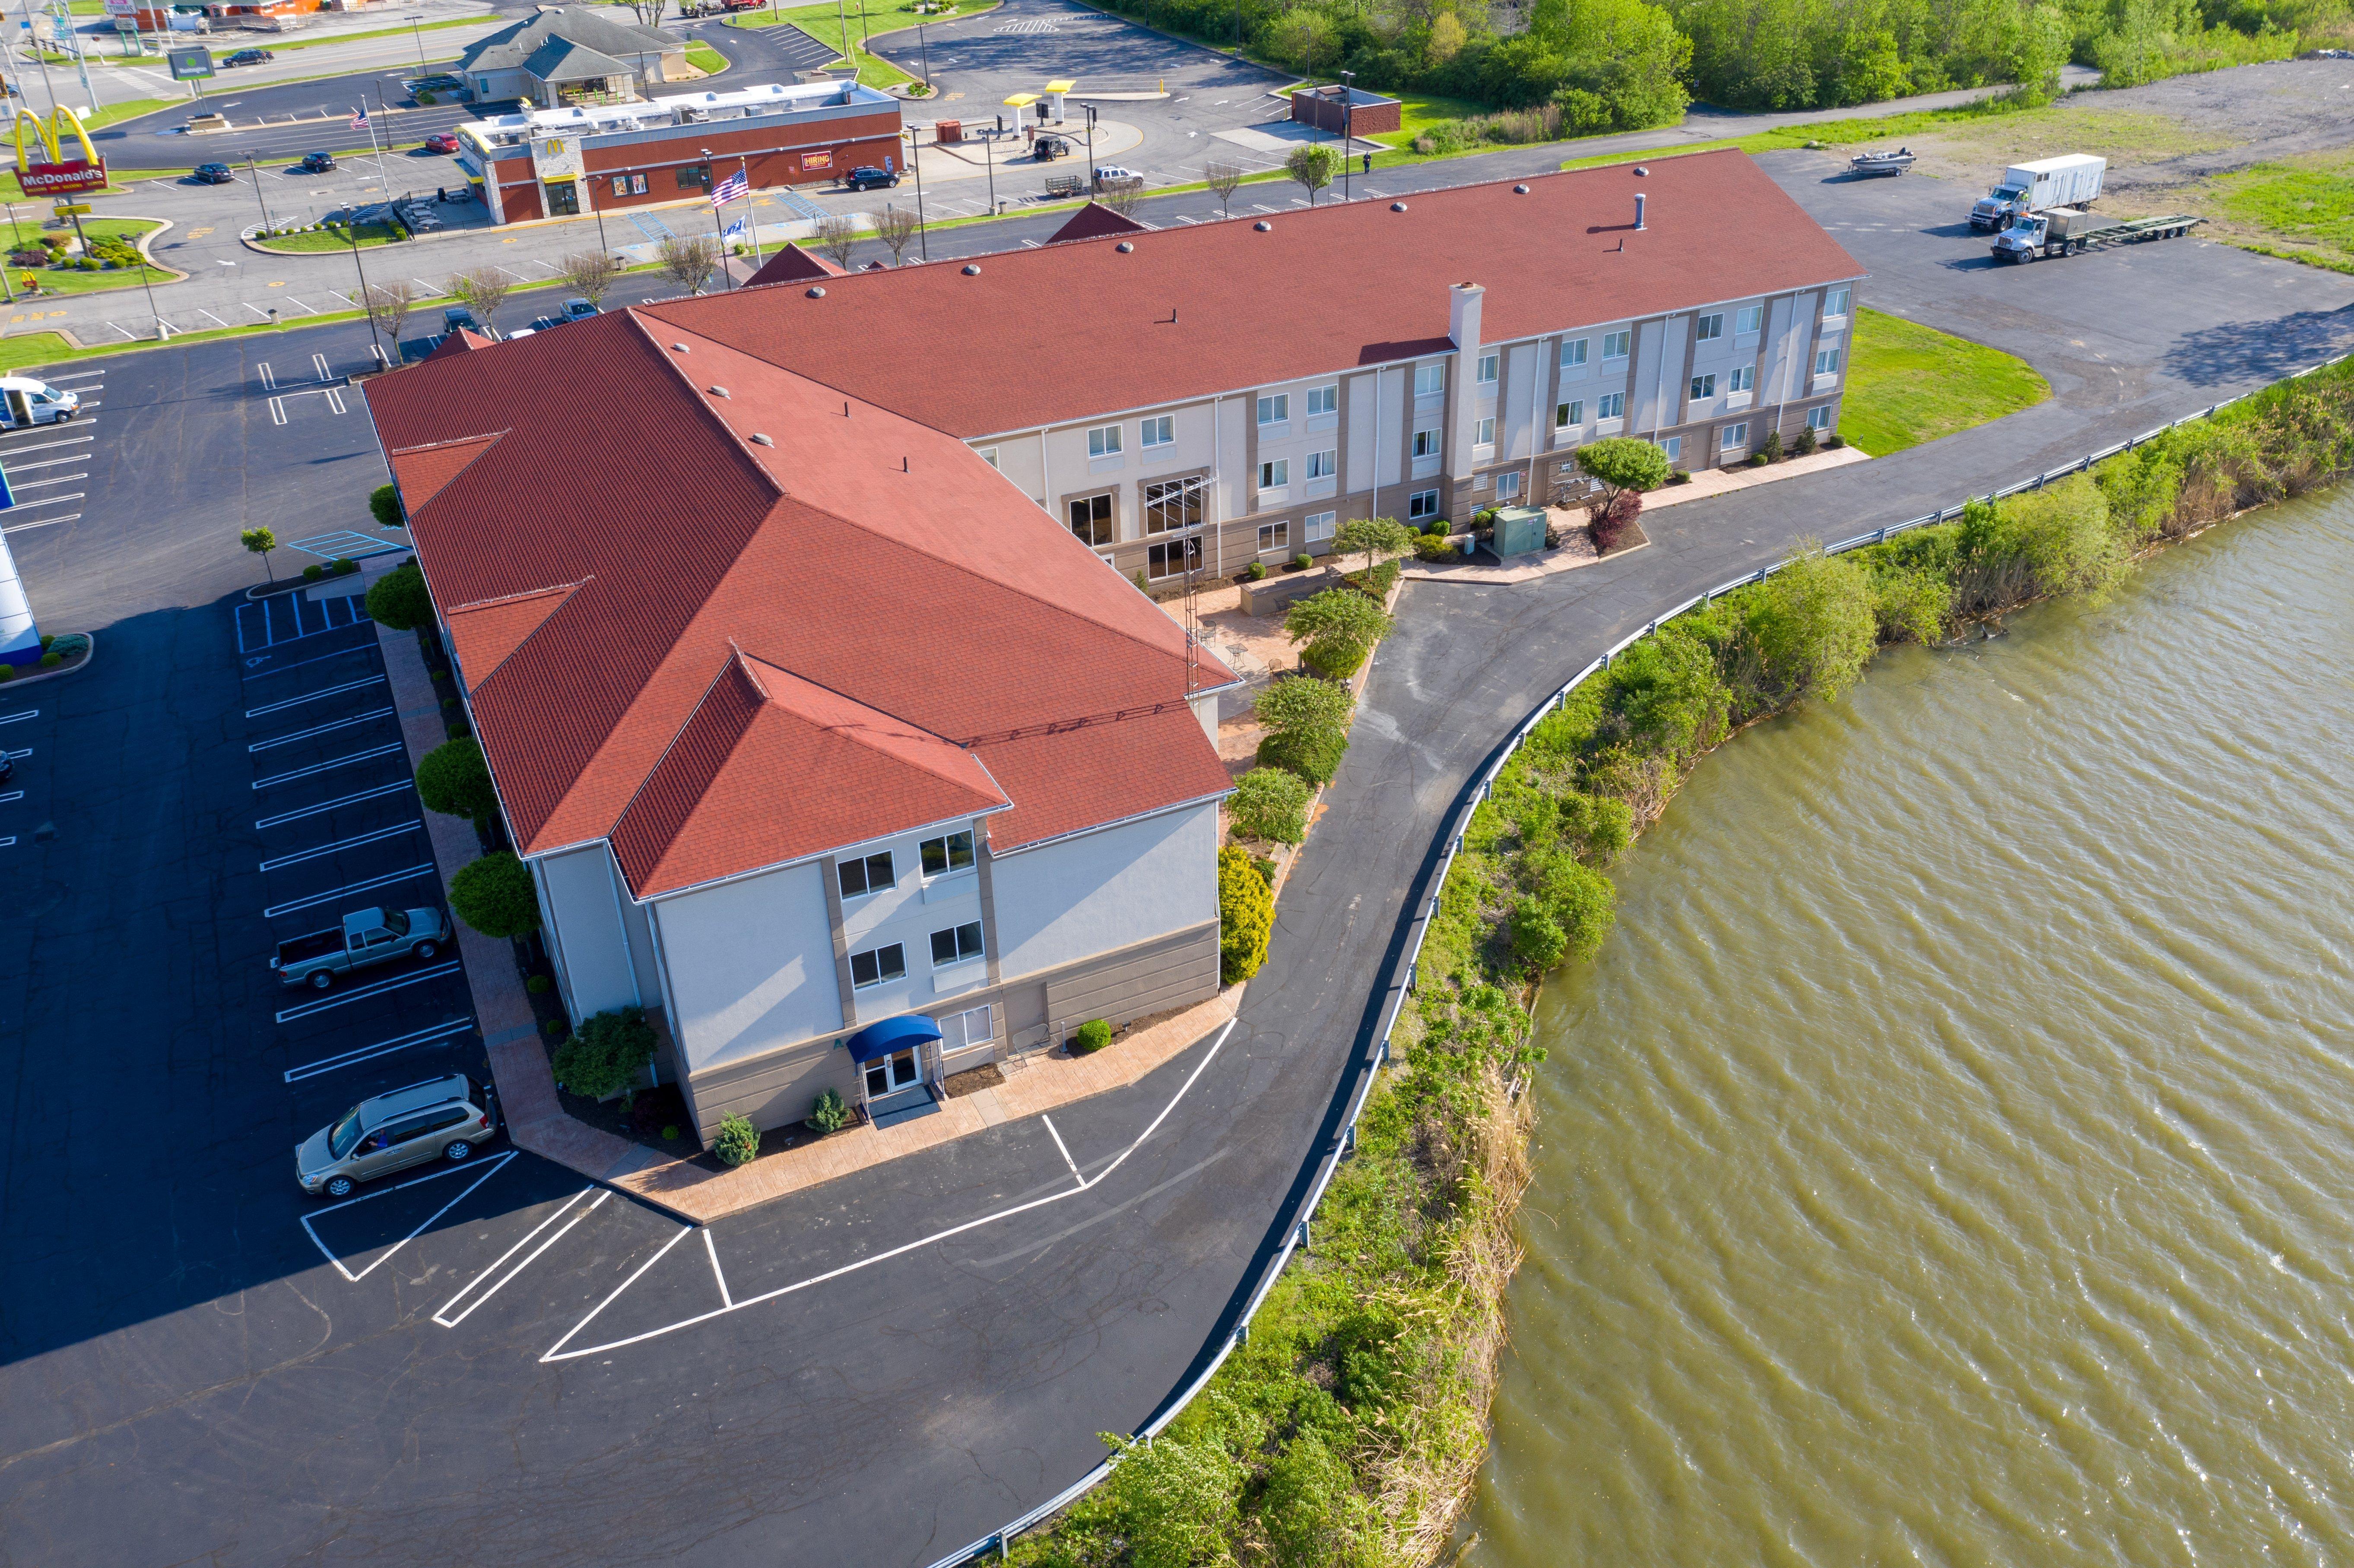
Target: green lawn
x,y
73,280
371,235
2300,208
1907,383
705,59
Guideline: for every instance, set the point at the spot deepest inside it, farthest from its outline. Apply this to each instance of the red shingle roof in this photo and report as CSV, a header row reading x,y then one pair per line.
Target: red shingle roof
x,y
1093,221
1220,306
794,265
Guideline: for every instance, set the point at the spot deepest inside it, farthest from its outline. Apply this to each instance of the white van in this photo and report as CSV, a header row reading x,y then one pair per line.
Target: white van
x,y
25,401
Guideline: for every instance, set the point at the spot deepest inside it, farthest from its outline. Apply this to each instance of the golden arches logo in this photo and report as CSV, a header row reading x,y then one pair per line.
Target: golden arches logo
x,y
51,138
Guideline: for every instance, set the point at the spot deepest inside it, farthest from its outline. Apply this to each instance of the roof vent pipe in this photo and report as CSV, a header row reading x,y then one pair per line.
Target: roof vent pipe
x,y
1639,209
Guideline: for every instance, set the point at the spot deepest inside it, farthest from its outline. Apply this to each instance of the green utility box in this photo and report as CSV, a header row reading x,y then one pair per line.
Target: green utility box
x,y
1520,530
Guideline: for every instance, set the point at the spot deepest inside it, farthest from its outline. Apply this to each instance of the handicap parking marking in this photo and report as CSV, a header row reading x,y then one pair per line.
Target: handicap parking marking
x,y
443,1317
433,1035
335,894
488,1169
367,992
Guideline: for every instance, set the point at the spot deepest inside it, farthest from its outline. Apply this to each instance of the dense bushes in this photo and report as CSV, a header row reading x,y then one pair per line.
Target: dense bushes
x,y
1246,915
1270,804
454,780
1307,724
1338,628
399,599
828,1113
495,896
737,1141
1091,1037
606,1054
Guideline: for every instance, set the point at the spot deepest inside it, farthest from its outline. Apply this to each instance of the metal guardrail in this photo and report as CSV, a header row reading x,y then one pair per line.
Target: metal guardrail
x,y
1404,975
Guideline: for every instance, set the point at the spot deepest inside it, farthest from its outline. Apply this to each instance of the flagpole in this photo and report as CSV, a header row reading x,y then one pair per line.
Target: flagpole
x,y
751,218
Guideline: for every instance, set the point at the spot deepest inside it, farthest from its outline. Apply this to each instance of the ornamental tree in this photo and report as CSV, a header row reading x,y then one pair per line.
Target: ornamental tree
x,y
495,896
1622,462
1373,535
1270,803
399,599
454,780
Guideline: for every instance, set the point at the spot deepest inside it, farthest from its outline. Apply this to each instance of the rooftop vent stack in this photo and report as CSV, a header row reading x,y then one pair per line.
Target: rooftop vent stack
x,y
1463,302
1639,209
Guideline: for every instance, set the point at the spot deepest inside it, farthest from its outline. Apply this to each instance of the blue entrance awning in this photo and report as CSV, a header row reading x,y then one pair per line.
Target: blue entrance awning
x,y
891,1035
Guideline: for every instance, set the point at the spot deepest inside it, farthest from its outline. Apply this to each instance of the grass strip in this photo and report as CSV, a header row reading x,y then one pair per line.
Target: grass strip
x,y
1908,384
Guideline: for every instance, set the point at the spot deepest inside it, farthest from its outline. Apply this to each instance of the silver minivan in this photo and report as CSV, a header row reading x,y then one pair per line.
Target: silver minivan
x,y
440,1118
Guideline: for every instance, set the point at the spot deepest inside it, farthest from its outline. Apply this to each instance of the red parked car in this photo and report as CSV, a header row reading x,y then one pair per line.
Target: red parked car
x,y
442,142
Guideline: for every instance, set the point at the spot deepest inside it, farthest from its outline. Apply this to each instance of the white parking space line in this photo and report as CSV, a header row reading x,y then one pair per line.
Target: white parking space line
x,y
488,1170
328,728
299,857
448,1322
370,885
12,795
345,999
716,1273
313,697
20,718
210,316
318,768
44,523
79,376
44,445
358,1053
1065,1148
557,1352
62,479
324,807
268,383
51,462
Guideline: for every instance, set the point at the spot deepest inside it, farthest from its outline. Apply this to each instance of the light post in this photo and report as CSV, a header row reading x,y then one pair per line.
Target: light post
x,y
989,163
375,342
254,175
1347,127
1091,149
923,243
417,33
925,51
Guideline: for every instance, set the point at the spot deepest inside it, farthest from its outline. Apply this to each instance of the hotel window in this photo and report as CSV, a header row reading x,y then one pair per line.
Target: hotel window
x,y
1674,448
1573,352
1743,378
1710,327
1172,504
1610,406
1826,362
1275,473
868,873
1103,441
877,965
1324,400
1320,525
1565,415
1091,520
961,1031
1426,443
1274,537
1274,409
1736,437
1508,487
957,945
1835,303
1325,464
988,456
1484,433
1748,319
1429,380
1158,431
1818,418
1703,386
943,856
1174,558
1422,504
1488,369
1616,344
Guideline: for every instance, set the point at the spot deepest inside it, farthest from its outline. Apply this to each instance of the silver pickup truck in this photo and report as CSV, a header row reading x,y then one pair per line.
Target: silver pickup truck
x,y
367,937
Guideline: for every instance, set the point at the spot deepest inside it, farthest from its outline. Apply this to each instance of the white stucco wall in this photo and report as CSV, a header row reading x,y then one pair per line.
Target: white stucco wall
x,y
1104,891
751,964
578,891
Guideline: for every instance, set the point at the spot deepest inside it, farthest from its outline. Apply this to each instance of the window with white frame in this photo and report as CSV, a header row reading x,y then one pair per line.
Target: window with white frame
x,y
1484,433
878,966
1742,378
1103,441
1835,303
1572,351
1091,520
1429,380
1324,399
1818,418
957,945
1508,487
1274,537
1674,448
1736,437
1275,408
947,855
1610,406
963,1031
1422,504
1173,559
1748,319
1827,361
1158,431
1172,504
1710,327
1488,363
864,875
1324,464
1275,473
1320,525
988,456
1426,443
1616,344
1565,415
1703,385
1479,482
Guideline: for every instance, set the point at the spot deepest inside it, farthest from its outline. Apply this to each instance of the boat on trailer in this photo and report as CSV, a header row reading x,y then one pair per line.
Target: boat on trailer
x,y
1891,164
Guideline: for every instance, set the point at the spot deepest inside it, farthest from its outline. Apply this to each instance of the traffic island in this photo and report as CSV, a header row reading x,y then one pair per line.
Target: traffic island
x,y
71,653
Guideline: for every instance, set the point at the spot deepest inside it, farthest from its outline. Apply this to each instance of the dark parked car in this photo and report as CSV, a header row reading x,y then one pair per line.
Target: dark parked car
x,y
457,317
317,163
868,177
215,173
249,56
442,142
1048,148
580,310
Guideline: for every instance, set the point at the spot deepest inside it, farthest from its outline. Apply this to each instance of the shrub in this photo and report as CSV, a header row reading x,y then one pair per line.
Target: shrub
x,y
1137,578
8,672
313,572
1622,462
495,897
737,1141
1579,901
1093,1035
399,600
342,567
1335,661
48,639
1772,450
1834,441
1314,757
72,644
1815,623
1245,916
51,660
1303,560
453,780
1256,571
1805,445
539,985
1435,548
830,1114
1339,626
1679,476
1270,803
554,1026
1607,523
1307,727
1537,940
606,1053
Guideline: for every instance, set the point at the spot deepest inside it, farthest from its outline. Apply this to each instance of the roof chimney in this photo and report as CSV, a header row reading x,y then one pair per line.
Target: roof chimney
x,y
1639,209
1463,315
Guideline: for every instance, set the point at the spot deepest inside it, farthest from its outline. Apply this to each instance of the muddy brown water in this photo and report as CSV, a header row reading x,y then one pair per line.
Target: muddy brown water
x,y
1950,1158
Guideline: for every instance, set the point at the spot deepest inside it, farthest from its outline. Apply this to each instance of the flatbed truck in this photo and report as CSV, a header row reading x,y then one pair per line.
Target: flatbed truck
x,y
2063,230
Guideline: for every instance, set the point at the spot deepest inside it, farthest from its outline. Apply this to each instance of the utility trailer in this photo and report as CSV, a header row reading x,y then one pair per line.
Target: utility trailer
x,y
2065,230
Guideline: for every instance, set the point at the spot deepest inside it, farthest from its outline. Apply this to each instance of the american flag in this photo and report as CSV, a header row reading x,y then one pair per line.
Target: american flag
x,y
735,187
359,118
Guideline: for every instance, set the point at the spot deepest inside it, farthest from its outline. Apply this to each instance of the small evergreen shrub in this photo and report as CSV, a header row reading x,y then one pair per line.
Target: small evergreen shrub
x,y
495,897
830,1114
313,572
1245,916
1093,1035
606,1054
1256,571
383,505
1805,445
51,660
737,1141
399,600
8,672
539,985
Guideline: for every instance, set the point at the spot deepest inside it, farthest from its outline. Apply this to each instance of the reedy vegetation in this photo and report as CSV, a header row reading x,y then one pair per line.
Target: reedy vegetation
x,y
1350,1429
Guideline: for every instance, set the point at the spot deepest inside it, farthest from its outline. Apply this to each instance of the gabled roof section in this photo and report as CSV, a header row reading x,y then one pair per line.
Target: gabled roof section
x,y
772,769
794,265
513,46
1096,220
562,59
422,471
462,340
483,635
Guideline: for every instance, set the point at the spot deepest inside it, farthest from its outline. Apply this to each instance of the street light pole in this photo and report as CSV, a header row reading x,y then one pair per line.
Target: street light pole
x,y
925,51
1347,127
375,342
417,33
923,243
1091,149
254,175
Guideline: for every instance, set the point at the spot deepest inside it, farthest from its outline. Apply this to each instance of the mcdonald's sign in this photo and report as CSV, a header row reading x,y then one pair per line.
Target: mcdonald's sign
x,y
44,168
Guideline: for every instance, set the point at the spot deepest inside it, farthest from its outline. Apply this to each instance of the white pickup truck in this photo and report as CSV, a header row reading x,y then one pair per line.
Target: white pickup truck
x,y
367,937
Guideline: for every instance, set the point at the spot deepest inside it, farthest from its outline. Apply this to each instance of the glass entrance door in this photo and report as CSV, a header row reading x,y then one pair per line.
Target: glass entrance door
x,y
889,1074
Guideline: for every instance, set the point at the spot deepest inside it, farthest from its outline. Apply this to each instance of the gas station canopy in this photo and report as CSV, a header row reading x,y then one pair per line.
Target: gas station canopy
x,y
1021,100
1064,86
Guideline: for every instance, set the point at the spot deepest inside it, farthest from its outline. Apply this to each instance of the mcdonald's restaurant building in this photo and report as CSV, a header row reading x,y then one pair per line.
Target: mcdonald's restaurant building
x,y
556,163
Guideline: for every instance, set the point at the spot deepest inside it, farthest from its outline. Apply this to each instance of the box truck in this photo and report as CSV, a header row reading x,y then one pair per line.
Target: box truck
x,y
2071,181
